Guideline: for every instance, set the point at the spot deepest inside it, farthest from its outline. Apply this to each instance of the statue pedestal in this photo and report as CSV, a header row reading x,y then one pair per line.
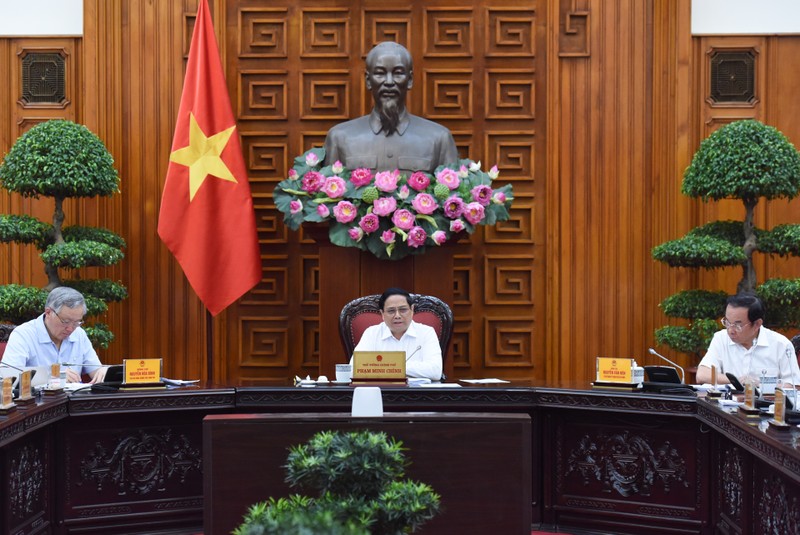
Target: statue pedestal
x,y
346,273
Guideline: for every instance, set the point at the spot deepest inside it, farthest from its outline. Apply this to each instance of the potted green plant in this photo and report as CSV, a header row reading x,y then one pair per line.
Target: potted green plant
x,y
356,478
61,159
745,160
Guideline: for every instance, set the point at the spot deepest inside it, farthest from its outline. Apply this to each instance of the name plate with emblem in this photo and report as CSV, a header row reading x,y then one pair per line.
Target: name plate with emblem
x,y
387,366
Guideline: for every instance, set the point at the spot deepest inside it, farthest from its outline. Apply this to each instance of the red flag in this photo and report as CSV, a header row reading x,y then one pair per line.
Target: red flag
x,y
206,216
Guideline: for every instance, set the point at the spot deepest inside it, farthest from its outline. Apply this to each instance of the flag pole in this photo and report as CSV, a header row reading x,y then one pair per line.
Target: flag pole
x,y
207,219
209,347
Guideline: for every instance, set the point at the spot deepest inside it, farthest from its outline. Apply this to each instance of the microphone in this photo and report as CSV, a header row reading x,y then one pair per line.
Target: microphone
x,y
683,374
7,365
413,352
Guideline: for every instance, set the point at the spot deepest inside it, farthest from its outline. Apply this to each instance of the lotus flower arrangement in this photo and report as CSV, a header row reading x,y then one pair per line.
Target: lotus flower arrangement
x,y
389,213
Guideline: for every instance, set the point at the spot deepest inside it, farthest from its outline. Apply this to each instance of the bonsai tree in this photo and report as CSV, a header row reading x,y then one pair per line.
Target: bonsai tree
x,y
61,159
355,476
744,160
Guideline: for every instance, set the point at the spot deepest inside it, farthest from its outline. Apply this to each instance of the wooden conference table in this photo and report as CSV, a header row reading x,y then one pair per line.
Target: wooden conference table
x,y
624,462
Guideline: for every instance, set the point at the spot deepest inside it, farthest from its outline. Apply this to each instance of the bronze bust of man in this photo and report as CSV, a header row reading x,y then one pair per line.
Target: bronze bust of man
x,y
390,137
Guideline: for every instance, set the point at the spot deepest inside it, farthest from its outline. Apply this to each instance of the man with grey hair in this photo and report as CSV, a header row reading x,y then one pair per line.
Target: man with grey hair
x,y
56,337
390,137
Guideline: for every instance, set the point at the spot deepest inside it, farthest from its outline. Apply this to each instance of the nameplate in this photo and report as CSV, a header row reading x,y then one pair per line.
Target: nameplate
x,y
8,393
141,371
25,385
379,365
54,382
615,370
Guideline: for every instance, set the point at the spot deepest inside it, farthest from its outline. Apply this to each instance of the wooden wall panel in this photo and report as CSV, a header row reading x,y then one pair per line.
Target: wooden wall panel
x,y
296,70
776,74
598,184
125,77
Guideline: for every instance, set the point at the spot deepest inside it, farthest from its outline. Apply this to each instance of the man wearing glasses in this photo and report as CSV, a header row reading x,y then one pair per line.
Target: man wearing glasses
x,y
747,349
56,337
399,332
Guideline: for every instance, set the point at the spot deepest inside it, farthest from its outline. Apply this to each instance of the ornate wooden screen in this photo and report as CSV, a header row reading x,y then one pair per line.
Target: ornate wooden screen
x,y
296,69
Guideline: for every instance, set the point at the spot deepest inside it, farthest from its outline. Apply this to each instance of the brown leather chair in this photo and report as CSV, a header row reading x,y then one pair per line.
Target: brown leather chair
x,y
363,312
796,344
5,332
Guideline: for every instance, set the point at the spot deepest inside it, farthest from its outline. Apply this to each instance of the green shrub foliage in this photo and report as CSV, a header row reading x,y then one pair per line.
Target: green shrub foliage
x,y
356,478
61,159
744,160
23,229
695,304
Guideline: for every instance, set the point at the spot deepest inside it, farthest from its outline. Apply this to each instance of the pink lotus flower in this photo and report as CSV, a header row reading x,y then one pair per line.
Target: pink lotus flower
x,y
416,237
453,207
293,174
384,206
493,172
355,234
419,181
369,223
403,219
482,193
499,197
403,193
311,159
337,167
323,210
463,172
344,212
424,204
387,180
387,237
334,187
312,182
361,177
439,237
473,212
295,206
456,225
448,177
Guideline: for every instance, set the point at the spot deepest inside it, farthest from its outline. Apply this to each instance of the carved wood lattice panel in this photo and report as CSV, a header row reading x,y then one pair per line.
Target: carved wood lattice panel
x,y
296,69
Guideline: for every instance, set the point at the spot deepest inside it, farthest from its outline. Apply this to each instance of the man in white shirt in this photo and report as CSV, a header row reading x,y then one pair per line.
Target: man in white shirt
x,y
747,349
56,336
399,332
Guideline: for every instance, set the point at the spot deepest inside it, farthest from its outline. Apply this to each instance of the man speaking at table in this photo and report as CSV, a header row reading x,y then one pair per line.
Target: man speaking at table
x,y
747,349
55,337
399,332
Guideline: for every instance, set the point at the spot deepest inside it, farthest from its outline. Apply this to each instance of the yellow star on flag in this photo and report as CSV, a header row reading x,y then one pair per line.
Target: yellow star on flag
x,y
202,156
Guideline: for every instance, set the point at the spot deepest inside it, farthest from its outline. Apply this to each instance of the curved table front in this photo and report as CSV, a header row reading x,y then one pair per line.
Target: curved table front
x,y
621,462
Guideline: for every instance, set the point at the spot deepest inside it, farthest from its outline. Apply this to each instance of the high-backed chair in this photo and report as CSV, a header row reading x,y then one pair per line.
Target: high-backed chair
x,y
363,312
5,332
796,344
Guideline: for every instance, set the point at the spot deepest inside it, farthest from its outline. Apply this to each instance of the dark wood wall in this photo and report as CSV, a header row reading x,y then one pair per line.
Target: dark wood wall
x,y
591,109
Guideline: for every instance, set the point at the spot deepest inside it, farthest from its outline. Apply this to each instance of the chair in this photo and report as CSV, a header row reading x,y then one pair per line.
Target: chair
x,y
796,344
363,312
5,332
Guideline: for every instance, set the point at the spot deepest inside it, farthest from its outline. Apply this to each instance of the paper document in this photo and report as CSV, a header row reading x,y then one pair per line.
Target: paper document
x,y
490,380
439,385
179,382
71,387
705,387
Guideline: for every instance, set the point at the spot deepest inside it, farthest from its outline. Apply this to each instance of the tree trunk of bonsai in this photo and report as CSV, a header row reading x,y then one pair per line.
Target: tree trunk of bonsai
x,y
748,282
53,279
